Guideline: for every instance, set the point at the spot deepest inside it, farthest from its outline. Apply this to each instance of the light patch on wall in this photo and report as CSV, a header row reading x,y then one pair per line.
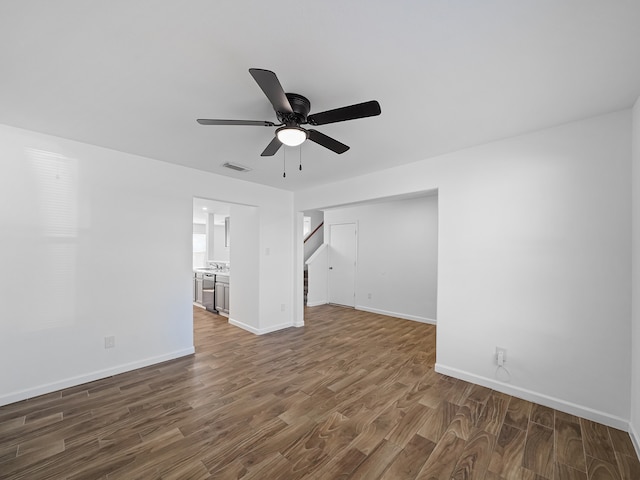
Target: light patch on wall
x,y
306,226
56,179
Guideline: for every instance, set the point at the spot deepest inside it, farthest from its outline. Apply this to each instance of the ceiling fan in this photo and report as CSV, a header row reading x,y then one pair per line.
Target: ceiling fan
x,y
292,110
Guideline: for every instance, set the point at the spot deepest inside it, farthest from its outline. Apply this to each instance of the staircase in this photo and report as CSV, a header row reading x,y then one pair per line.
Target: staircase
x,y
309,249
306,286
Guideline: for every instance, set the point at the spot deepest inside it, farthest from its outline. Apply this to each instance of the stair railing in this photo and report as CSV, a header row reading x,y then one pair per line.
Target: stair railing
x,y
314,231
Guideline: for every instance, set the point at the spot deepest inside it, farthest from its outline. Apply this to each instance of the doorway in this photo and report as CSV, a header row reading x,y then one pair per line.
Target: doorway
x,y
211,255
396,257
342,263
235,268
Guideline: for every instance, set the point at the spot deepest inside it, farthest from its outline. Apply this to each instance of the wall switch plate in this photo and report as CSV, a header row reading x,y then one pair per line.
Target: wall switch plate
x,y
109,342
501,356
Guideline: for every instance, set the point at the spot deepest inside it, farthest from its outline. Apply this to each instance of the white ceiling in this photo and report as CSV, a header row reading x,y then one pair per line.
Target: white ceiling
x,y
203,207
134,75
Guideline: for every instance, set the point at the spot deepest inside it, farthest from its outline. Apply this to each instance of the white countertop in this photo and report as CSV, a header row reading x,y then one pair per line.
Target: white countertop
x,y
225,273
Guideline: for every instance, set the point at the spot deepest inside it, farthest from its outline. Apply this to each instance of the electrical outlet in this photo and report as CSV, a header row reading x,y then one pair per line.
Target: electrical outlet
x,y
110,342
501,356
369,296
282,307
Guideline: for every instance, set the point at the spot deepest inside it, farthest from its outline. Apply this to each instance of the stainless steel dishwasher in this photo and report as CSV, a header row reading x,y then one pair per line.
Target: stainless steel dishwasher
x,y
208,288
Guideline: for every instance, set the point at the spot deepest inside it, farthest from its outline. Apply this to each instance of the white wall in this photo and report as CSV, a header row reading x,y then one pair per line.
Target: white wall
x,y
318,270
533,256
220,252
199,256
95,242
635,369
397,255
276,254
245,236
216,249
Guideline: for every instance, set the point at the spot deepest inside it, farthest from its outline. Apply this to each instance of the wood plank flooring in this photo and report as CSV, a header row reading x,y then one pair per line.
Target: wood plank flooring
x,y
350,395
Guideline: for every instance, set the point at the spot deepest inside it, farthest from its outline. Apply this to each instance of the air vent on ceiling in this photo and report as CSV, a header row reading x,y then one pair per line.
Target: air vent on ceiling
x,y
236,167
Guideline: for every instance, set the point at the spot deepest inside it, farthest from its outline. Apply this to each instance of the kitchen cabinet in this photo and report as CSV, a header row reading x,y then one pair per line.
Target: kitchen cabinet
x,y
222,294
211,290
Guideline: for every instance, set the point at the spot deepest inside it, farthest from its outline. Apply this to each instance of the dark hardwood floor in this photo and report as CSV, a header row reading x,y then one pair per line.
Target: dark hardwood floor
x,y
350,395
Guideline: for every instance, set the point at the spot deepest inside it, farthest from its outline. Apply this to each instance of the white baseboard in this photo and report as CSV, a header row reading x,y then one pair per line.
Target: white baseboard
x,y
547,401
315,304
90,377
260,331
635,439
404,316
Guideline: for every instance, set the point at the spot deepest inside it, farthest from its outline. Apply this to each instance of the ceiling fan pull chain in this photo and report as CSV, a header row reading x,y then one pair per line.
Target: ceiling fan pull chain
x,y
300,151
284,162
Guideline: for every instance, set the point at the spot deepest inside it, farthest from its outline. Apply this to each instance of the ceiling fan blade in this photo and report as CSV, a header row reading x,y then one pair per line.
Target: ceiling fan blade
x,y
272,148
352,112
327,142
271,87
256,123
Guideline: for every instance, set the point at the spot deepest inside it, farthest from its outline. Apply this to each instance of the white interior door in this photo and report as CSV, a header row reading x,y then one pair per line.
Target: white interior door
x,y
342,264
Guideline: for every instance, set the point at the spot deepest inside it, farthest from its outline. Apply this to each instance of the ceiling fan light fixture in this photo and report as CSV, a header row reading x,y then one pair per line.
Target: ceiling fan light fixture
x,y
291,136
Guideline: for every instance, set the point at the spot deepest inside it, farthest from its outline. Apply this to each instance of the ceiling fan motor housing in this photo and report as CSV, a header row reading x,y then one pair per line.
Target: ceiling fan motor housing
x,y
301,108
